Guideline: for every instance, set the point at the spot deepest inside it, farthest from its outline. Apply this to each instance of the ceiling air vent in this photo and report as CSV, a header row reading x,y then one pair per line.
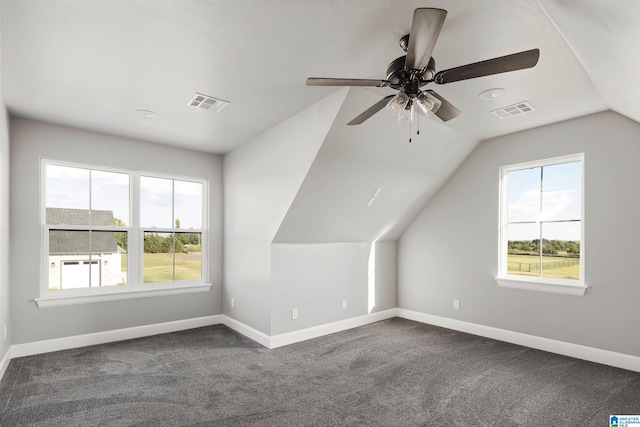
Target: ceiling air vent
x,y
513,110
209,103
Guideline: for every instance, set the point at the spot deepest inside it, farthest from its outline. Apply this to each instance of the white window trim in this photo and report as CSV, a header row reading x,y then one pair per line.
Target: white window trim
x,y
135,287
531,283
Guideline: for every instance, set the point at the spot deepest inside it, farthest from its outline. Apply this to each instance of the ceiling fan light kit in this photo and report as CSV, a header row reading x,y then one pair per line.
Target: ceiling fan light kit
x,y
408,74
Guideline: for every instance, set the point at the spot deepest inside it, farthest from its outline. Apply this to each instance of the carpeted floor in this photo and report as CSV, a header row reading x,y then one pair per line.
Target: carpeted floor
x,y
392,373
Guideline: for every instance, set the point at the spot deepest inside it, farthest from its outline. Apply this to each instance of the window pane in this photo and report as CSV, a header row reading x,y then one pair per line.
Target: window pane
x,y
188,204
523,250
561,250
67,195
188,256
156,198
106,253
83,259
561,197
524,195
69,264
110,192
158,257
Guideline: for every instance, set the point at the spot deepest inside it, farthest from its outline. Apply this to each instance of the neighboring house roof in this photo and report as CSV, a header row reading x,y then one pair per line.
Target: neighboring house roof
x,y
75,241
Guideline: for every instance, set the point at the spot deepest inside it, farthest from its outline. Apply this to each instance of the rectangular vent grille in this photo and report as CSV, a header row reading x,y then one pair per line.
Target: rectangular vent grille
x,y
206,102
513,110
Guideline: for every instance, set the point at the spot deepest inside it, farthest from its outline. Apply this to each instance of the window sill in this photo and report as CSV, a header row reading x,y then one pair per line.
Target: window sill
x,y
540,286
117,294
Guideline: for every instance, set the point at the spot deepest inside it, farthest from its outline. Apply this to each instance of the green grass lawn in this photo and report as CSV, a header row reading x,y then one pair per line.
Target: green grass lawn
x,y
528,265
158,267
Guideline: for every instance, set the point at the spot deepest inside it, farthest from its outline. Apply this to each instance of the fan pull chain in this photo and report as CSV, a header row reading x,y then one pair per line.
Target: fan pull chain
x,y
409,131
418,133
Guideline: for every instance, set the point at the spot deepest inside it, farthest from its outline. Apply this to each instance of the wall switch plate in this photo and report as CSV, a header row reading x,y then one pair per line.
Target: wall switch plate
x,y
294,313
233,303
456,304
344,304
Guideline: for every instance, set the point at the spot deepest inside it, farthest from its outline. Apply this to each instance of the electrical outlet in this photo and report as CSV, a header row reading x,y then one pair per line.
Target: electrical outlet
x,y
344,304
233,303
456,304
294,313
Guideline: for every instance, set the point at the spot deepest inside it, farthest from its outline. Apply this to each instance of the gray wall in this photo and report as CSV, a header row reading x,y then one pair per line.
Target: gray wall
x,y
261,179
315,278
30,141
451,249
4,232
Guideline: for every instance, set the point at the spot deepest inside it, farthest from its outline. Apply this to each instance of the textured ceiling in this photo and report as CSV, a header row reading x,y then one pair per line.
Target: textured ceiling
x,y
92,64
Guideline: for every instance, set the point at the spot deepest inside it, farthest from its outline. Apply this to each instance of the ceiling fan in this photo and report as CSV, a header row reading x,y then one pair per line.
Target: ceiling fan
x,y
409,73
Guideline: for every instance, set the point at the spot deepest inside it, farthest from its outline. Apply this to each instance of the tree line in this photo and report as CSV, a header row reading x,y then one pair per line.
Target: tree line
x,y
549,247
155,243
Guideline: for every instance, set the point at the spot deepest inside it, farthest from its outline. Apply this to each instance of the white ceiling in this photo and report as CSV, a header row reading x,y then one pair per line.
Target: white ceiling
x,y
91,64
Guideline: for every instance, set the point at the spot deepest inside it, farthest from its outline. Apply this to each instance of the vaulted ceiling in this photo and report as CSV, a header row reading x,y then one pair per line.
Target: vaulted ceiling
x,y
92,64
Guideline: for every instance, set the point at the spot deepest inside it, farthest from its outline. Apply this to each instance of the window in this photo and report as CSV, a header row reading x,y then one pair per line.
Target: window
x,y
86,215
95,243
171,219
541,225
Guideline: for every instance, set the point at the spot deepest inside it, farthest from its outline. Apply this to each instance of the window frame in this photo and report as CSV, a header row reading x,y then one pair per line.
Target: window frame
x,y
135,286
533,283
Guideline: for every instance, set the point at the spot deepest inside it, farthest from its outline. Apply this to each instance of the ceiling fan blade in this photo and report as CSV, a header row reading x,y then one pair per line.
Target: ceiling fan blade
x,y
502,64
323,81
371,110
446,111
425,29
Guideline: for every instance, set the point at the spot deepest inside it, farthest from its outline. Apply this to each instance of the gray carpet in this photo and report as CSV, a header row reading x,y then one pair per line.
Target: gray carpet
x,y
392,373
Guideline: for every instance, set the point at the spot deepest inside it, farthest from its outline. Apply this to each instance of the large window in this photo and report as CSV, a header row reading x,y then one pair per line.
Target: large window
x,y
120,229
541,222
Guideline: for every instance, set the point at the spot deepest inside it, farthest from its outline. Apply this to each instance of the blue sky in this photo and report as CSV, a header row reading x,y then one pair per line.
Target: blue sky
x,y
560,200
68,187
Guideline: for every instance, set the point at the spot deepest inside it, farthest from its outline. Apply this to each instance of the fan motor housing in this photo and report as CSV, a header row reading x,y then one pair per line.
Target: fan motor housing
x,y
397,76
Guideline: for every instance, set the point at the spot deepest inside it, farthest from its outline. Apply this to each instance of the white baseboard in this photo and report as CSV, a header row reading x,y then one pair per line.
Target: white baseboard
x,y
38,347
247,331
591,354
281,340
4,363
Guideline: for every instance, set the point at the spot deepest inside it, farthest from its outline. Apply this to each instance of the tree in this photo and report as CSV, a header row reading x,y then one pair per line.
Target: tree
x,y
122,238
152,243
177,223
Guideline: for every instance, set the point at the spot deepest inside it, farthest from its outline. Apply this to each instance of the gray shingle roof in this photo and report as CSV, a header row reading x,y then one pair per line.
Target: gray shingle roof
x,y
56,216
77,242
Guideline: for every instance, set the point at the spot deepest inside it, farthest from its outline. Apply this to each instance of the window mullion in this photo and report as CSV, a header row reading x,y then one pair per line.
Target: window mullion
x,y
135,244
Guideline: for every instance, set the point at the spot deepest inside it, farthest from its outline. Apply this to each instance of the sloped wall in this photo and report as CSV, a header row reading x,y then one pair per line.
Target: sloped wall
x,y
261,179
451,249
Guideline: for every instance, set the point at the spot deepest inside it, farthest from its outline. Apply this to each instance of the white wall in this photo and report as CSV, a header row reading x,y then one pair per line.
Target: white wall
x,y
31,140
316,278
450,251
261,179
